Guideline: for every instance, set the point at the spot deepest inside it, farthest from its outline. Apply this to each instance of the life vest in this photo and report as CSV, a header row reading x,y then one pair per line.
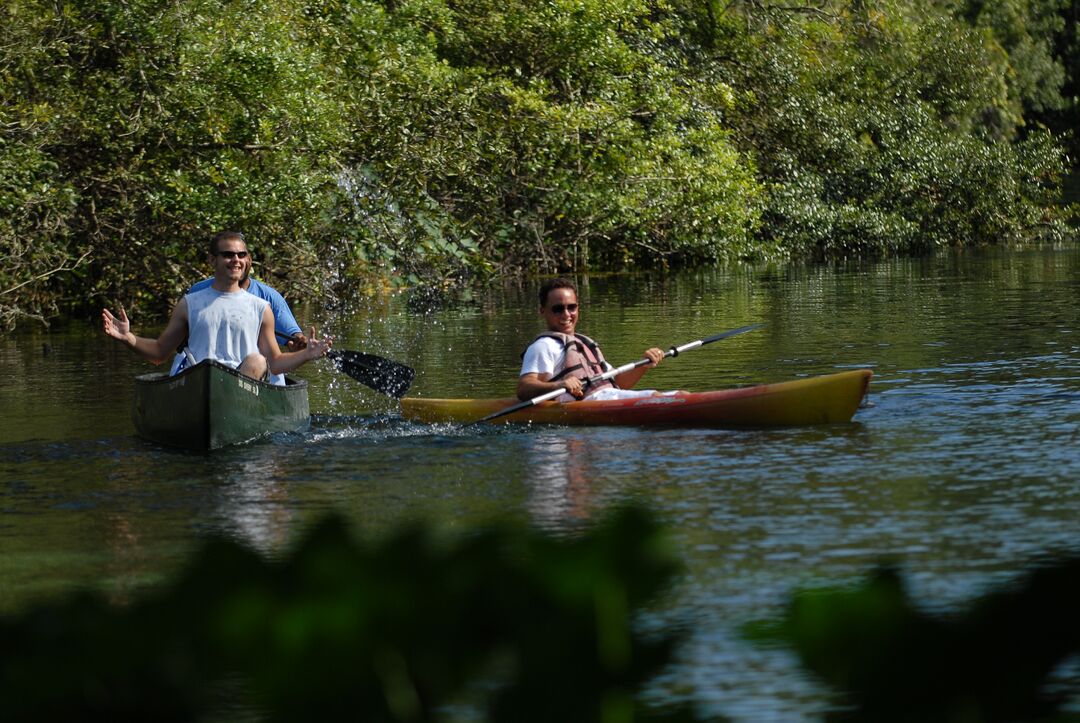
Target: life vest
x,y
582,359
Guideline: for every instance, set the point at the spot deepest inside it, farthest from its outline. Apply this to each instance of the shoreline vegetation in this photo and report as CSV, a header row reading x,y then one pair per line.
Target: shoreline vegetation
x,y
366,145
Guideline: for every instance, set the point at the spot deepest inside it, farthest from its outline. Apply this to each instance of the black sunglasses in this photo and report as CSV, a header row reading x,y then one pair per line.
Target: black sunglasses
x,y
560,308
232,254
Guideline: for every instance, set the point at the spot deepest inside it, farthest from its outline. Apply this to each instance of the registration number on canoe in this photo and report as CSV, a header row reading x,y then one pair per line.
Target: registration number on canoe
x,y
249,387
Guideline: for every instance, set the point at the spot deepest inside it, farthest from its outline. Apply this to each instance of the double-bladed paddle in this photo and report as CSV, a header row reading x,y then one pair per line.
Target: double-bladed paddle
x,y
673,351
381,374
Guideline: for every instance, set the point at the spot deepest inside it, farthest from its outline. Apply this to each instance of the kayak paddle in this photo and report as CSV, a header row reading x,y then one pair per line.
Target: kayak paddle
x,y
381,374
673,351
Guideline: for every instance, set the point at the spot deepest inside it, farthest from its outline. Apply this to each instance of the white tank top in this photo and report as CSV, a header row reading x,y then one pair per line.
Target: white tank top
x,y
224,325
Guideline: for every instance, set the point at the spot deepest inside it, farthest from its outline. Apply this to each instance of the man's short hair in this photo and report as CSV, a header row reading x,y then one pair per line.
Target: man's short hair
x,y
224,236
559,283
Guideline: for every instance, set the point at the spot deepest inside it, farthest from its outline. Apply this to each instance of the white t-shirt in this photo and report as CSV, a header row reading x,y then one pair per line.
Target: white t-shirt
x,y
546,356
224,325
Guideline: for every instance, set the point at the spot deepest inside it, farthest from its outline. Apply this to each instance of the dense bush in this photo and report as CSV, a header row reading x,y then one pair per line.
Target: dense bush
x,y
426,141
1009,655
881,131
533,136
505,624
135,128
518,626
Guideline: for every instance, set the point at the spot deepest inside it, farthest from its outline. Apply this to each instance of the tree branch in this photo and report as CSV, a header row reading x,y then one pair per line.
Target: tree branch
x,y
62,267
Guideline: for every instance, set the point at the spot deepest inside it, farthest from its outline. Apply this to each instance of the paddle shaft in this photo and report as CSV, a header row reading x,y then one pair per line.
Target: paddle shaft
x,y
612,373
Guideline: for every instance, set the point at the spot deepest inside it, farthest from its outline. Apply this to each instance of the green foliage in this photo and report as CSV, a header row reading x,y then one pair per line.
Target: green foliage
x,y
435,141
883,131
1039,40
890,661
521,626
159,123
509,625
539,137
1027,32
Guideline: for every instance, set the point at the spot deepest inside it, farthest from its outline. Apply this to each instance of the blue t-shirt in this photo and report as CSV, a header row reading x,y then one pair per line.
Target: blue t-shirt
x,y
284,321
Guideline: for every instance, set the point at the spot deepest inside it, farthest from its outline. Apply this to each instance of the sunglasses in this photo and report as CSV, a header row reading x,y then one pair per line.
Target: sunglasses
x,y
560,308
232,254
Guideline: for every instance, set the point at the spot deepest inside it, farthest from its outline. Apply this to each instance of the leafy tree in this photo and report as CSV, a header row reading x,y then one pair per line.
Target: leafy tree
x,y
1039,41
153,124
883,129
405,142
537,136
1026,31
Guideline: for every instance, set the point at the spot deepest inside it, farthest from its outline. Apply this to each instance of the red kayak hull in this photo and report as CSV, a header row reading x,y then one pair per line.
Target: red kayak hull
x,y
814,400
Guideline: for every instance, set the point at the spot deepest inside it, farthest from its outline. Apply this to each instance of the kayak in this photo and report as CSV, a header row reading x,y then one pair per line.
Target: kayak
x,y
814,400
210,405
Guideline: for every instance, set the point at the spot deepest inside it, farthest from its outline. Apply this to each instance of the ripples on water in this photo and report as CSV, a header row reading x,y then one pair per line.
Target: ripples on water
x,y
963,468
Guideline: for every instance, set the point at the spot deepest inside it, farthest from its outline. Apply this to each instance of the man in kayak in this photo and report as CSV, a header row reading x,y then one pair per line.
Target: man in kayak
x,y
221,322
285,326
560,358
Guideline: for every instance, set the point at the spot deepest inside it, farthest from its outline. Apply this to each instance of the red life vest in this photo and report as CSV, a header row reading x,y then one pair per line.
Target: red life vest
x,y
582,359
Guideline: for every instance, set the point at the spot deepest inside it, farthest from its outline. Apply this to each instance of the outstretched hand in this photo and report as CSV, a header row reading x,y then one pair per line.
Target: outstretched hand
x,y
655,356
116,327
317,347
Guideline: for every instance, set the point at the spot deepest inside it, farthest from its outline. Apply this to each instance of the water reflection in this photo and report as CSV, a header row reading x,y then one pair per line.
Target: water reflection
x,y
129,563
252,498
558,478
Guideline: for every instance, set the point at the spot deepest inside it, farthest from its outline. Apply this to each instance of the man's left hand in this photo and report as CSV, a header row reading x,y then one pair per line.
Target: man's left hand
x,y
317,347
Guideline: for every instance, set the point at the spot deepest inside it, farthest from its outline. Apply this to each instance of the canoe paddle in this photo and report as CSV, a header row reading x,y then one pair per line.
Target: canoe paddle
x,y
381,374
673,351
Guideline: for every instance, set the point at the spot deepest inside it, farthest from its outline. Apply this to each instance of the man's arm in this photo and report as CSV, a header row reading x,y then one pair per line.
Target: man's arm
x,y
285,326
153,350
533,385
284,321
281,362
627,380
539,365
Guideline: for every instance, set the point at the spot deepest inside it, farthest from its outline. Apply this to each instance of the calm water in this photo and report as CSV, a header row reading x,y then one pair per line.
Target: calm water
x,y
964,469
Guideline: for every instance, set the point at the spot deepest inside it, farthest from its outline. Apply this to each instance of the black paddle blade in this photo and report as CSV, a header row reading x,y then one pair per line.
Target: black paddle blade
x,y
382,375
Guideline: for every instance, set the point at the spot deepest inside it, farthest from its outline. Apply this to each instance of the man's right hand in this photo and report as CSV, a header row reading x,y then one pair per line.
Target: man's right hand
x,y
116,327
296,342
574,387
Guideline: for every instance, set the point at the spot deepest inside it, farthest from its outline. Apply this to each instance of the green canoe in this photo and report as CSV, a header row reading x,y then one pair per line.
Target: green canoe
x,y
209,406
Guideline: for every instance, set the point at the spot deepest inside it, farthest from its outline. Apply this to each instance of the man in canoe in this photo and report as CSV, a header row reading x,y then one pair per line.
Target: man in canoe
x,y
221,322
285,326
560,358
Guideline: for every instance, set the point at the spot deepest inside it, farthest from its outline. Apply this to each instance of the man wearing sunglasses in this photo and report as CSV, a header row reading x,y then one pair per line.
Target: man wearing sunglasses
x,y
285,326
560,358
221,322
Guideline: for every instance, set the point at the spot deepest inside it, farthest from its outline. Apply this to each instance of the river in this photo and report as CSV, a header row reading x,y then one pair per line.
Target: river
x,y
963,468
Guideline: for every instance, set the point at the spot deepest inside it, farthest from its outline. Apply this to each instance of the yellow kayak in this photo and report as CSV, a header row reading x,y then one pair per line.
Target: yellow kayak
x,y
815,400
